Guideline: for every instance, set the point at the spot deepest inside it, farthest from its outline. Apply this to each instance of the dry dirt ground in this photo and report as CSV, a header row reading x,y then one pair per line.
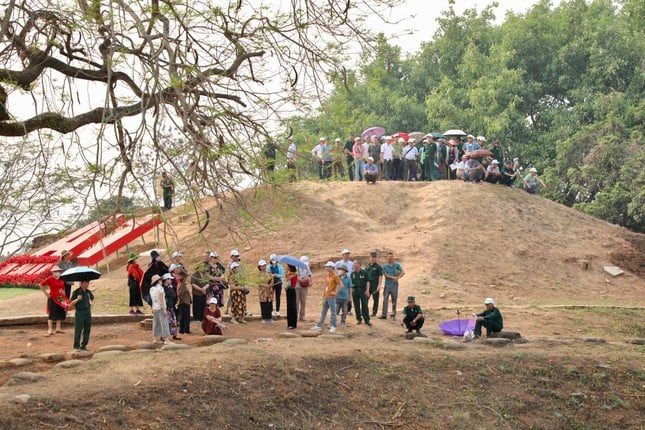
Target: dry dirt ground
x,y
458,243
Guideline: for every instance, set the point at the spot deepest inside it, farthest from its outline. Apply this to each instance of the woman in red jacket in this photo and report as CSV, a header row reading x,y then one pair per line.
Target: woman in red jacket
x,y
57,301
135,275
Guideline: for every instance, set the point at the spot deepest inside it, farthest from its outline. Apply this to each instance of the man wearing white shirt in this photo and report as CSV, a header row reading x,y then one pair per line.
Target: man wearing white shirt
x,y
387,157
410,155
316,153
291,159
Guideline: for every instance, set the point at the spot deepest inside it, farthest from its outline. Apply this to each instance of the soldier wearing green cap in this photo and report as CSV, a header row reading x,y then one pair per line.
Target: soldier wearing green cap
x,y
414,318
374,275
360,293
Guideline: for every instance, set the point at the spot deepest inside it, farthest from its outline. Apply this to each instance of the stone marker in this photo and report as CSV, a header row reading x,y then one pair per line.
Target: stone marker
x,y
288,335
143,350
174,347
24,378
19,362
496,342
69,364
613,270
636,341
423,339
106,354
263,340
52,357
21,398
112,348
212,339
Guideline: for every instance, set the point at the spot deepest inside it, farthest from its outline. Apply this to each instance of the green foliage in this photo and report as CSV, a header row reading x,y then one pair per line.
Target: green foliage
x,y
560,87
108,207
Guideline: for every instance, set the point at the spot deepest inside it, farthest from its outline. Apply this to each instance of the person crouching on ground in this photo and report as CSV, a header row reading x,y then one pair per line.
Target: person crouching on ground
x,y
370,171
82,299
160,326
491,319
414,318
333,285
532,183
212,323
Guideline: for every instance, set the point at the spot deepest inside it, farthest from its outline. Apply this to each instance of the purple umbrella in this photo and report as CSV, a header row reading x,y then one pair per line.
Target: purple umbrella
x,y
372,131
456,327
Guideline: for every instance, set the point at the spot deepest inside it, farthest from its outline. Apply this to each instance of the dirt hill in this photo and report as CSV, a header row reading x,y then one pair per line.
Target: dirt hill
x,y
457,242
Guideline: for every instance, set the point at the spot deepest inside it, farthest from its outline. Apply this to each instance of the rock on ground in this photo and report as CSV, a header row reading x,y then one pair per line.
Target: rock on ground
x,y
69,364
453,345
105,354
19,362
52,357
24,378
212,339
174,347
112,348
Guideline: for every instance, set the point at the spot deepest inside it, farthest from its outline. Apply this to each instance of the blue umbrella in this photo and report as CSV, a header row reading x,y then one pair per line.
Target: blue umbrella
x,y
80,273
289,259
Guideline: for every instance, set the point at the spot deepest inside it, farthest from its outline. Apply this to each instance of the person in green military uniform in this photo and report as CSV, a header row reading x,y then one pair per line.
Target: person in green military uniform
x,y
491,319
168,187
413,319
360,293
374,275
430,153
82,299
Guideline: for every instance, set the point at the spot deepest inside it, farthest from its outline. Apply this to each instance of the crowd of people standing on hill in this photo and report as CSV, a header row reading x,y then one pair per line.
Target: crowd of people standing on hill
x,y
398,157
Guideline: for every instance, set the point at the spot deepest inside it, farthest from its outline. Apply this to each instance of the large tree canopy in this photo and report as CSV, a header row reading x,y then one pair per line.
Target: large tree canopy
x,y
561,87
103,94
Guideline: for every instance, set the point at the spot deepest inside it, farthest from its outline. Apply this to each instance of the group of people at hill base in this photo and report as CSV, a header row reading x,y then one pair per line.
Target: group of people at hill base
x,y
172,294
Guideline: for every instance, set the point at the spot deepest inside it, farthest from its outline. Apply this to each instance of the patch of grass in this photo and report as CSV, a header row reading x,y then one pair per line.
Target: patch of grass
x,y
10,293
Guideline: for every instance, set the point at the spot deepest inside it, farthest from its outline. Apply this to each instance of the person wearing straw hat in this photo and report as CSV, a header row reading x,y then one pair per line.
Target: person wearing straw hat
x,y
57,301
65,263
414,318
135,276
491,319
